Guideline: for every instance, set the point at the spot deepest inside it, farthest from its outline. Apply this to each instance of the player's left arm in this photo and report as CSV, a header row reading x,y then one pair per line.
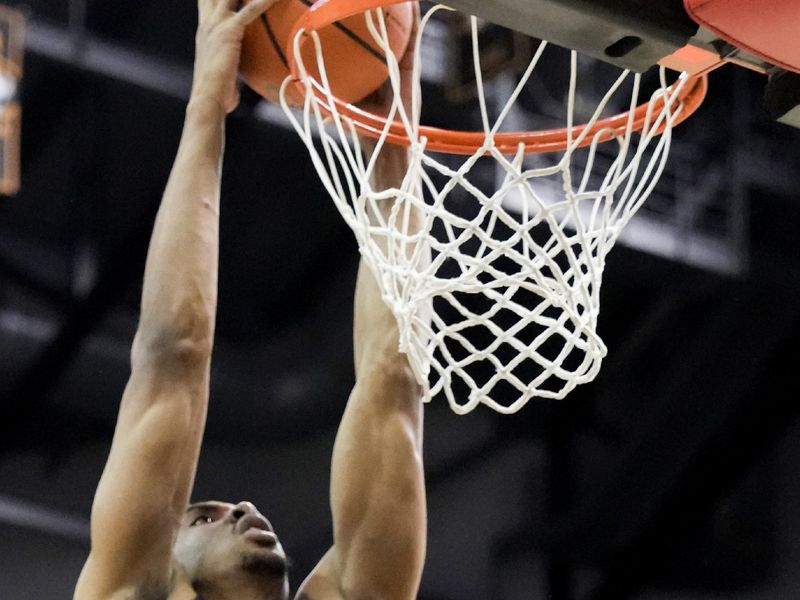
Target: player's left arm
x,y
377,480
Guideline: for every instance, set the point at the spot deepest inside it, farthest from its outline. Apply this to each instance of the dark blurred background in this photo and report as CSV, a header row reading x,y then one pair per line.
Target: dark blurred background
x,y
673,475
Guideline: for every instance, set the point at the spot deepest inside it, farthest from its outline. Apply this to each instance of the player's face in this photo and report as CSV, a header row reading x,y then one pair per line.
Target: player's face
x,y
223,542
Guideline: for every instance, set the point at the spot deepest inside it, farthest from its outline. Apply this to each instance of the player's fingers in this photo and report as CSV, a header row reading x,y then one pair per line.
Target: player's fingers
x,y
224,8
415,20
204,7
253,10
215,10
406,61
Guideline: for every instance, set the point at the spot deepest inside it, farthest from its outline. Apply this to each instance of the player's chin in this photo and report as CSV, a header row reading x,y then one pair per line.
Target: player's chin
x,y
266,562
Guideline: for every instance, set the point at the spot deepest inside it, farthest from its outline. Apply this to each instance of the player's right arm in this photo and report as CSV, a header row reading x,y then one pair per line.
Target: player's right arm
x,y
147,479
149,474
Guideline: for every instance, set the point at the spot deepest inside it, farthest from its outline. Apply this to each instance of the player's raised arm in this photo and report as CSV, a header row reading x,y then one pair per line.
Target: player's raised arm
x,y
377,480
147,480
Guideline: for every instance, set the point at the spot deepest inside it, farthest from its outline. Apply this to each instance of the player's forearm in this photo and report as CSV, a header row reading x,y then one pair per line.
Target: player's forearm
x,y
376,335
179,294
391,166
375,331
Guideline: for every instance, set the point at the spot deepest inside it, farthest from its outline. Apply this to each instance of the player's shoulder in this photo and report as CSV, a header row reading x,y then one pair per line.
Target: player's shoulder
x,y
318,588
138,592
322,583
334,594
96,583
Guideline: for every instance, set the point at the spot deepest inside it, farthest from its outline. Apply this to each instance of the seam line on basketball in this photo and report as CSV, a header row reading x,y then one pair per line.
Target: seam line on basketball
x,y
274,40
361,42
349,33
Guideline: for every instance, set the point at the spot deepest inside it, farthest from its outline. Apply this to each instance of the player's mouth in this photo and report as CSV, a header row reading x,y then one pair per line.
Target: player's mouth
x,y
257,529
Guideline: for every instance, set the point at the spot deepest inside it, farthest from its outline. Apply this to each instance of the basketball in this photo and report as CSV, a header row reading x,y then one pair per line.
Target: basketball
x,y
354,61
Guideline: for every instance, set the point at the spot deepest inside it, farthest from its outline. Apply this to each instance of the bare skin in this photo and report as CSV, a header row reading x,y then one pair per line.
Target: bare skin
x,y
148,542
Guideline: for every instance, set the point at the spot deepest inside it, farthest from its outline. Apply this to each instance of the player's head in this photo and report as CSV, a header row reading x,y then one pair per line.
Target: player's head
x,y
224,546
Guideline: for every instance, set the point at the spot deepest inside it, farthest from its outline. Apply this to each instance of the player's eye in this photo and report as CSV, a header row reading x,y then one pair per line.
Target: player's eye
x,y
202,520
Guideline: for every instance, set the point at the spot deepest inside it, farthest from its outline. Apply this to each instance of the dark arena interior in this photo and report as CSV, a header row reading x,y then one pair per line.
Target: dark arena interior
x,y
672,476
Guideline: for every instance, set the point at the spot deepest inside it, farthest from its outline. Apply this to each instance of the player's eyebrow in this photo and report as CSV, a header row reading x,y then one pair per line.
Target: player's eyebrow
x,y
202,506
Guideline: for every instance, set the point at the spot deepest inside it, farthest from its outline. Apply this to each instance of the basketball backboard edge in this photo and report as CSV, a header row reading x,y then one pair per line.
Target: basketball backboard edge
x,y
637,34
632,34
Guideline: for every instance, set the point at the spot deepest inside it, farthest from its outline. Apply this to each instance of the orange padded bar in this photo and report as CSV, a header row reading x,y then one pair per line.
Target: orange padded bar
x,y
769,30
692,60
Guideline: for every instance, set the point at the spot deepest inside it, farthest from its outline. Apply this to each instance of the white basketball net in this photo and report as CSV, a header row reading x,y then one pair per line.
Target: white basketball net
x,y
515,292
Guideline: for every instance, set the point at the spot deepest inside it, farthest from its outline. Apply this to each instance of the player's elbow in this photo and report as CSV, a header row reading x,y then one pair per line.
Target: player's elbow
x,y
388,367
392,389
186,341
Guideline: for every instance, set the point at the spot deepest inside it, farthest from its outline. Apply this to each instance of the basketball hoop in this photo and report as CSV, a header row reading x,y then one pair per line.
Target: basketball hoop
x,y
515,272
324,13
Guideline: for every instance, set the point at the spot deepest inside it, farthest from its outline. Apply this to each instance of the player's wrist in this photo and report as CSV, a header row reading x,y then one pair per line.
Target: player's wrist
x,y
216,79
206,104
209,82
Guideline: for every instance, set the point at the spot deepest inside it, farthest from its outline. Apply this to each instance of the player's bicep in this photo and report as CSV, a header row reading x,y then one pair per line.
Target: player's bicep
x,y
377,487
146,482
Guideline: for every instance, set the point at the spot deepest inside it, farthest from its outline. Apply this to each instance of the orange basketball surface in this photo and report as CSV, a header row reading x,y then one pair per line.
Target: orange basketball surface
x,y
354,61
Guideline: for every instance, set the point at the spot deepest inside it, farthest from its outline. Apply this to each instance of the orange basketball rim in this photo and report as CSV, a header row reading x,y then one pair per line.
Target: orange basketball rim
x,y
324,13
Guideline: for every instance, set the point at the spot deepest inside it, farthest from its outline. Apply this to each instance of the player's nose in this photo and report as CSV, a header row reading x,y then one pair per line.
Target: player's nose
x,y
242,509
247,508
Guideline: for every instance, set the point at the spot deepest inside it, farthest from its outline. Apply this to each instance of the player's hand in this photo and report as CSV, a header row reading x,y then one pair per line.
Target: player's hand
x,y
380,101
219,46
